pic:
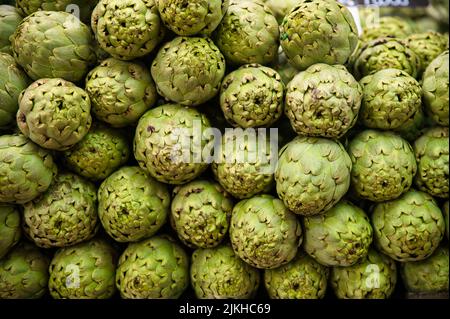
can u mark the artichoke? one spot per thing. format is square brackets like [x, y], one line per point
[51, 44]
[54, 113]
[302, 278]
[426, 24]
[264, 233]
[439, 10]
[26, 170]
[280, 8]
[387, 27]
[248, 33]
[339, 237]
[127, 29]
[201, 212]
[391, 99]
[318, 31]
[100, 153]
[323, 100]
[83, 271]
[374, 277]
[252, 96]
[217, 273]
[435, 89]
[9, 228]
[12, 81]
[427, 46]
[65, 215]
[188, 70]
[312, 174]
[153, 269]
[169, 143]
[409, 228]
[383, 165]
[432, 156]
[245, 163]
[10, 18]
[132, 205]
[120, 91]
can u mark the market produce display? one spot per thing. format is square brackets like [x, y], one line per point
[225, 149]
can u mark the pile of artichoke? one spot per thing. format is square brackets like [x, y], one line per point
[223, 149]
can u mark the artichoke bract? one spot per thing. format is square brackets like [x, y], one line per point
[201, 212]
[264, 233]
[120, 91]
[83, 271]
[374, 277]
[312, 174]
[156, 268]
[435, 88]
[99, 153]
[217, 273]
[383, 165]
[132, 205]
[51, 44]
[188, 70]
[54, 113]
[26, 170]
[23, 273]
[252, 96]
[64, 215]
[387, 27]
[245, 163]
[323, 100]
[248, 33]
[432, 156]
[409, 228]
[318, 31]
[302, 278]
[339, 237]
[10, 18]
[127, 29]
[391, 98]
[169, 142]
[12, 81]
[427, 46]
[9, 228]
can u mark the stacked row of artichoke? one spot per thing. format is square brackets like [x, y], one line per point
[95, 199]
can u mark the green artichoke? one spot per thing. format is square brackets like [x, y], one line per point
[51, 44]
[323, 100]
[187, 18]
[435, 86]
[201, 212]
[169, 143]
[312, 174]
[252, 96]
[414, 126]
[120, 91]
[339, 237]
[383, 165]
[432, 156]
[132, 205]
[12, 81]
[387, 27]
[127, 29]
[26, 170]
[10, 18]
[217, 273]
[408, 228]
[83, 271]
[439, 10]
[391, 99]
[374, 277]
[23, 273]
[188, 70]
[63, 216]
[245, 163]
[248, 33]
[445, 210]
[302, 278]
[427, 46]
[9, 228]
[280, 8]
[318, 31]
[264, 233]
[54, 113]
[156, 268]
[100, 153]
